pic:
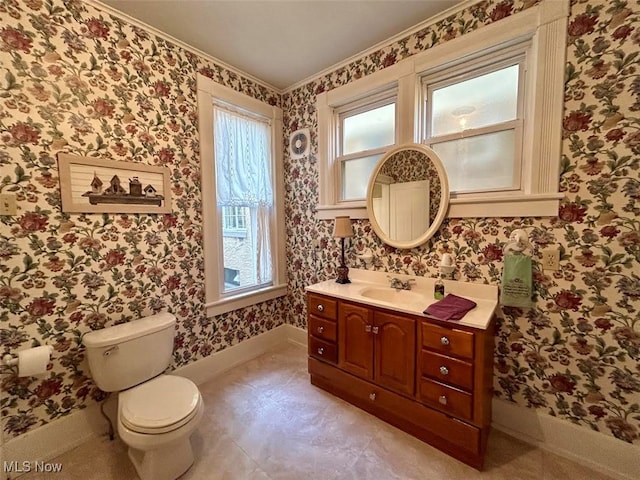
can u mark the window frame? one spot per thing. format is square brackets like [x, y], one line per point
[399, 78]
[459, 72]
[216, 300]
[384, 98]
[544, 27]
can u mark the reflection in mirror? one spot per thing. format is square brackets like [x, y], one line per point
[408, 196]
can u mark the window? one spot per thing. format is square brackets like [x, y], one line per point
[501, 147]
[473, 121]
[357, 124]
[366, 131]
[241, 151]
[231, 278]
[234, 221]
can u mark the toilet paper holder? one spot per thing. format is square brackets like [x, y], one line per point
[11, 360]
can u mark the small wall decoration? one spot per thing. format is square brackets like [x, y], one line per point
[96, 185]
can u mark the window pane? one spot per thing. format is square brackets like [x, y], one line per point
[484, 162]
[372, 129]
[355, 176]
[239, 261]
[234, 220]
[477, 102]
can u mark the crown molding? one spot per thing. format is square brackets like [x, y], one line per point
[384, 43]
[165, 36]
[389, 41]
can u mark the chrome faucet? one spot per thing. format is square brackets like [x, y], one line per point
[401, 284]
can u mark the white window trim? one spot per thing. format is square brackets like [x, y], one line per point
[464, 70]
[216, 302]
[396, 77]
[546, 26]
[386, 97]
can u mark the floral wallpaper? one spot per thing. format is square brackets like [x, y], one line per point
[76, 80]
[575, 354]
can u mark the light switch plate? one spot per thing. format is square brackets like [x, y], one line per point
[8, 204]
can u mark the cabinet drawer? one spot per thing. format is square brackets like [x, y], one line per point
[447, 369]
[321, 328]
[445, 398]
[323, 350]
[322, 306]
[447, 340]
[387, 405]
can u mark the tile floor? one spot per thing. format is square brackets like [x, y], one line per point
[264, 420]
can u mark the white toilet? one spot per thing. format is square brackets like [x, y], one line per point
[156, 413]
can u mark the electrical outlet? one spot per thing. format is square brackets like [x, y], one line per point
[8, 204]
[551, 259]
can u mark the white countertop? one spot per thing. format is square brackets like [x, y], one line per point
[417, 299]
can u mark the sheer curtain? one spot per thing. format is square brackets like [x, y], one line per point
[244, 179]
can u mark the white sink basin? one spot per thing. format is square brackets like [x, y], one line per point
[391, 295]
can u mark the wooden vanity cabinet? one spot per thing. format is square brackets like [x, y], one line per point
[431, 379]
[378, 346]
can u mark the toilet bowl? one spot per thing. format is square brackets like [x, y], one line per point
[156, 420]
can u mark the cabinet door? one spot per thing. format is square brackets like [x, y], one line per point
[395, 359]
[355, 342]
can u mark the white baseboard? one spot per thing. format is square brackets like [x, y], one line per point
[600, 452]
[209, 367]
[47, 442]
[595, 450]
[296, 335]
[53, 439]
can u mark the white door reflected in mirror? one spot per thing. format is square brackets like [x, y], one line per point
[408, 196]
[402, 209]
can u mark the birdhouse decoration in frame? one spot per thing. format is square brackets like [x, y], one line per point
[96, 185]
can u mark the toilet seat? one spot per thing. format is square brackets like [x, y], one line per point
[160, 405]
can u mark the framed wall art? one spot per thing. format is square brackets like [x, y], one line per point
[96, 185]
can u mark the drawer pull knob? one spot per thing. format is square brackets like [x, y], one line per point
[372, 397]
[320, 329]
[442, 400]
[320, 350]
[367, 328]
[444, 370]
[375, 330]
[444, 341]
[321, 308]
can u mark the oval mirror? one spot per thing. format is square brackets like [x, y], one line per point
[408, 196]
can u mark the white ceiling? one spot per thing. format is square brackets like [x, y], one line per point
[281, 42]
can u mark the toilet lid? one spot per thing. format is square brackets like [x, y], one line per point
[160, 403]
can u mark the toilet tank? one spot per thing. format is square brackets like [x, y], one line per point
[130, 353]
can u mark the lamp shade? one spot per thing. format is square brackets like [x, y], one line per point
[342, 228]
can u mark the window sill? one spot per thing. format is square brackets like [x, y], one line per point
[355, 210]
[234, 233]
[247, 299]
[531, 205]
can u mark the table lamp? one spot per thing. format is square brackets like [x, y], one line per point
[343, 229]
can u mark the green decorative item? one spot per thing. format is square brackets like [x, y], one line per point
[517, 282]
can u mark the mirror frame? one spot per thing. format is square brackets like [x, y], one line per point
[444, 196]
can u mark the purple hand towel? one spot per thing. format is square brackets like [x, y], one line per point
[451, 307]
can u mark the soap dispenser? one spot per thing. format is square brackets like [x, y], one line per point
[447, 265]
[446, 271]
[438, 289]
